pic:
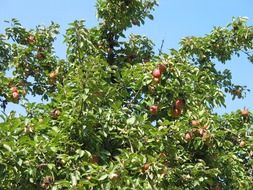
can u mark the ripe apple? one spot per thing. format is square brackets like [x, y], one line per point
[179, 103]
[153, 109]
[195, 123]
[188, 136]
[156, 73]
[162, 68]
[145, 167]
[201, 131]
[31, 39]
[40, 56]
[15, 95]
[245, 112]
[176, 112]
[242, 144]
[14, 89]
[55, 113]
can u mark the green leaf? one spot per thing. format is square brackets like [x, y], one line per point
[103, 177]
[131, 120]
[7, 147]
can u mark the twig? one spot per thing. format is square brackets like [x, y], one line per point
[161, 48]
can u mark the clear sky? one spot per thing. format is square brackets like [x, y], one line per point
[174, 19]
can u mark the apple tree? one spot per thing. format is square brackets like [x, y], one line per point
[119, 115]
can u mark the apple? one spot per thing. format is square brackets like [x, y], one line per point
[14, 89]
[156, 73]
[145, 167]
[162, 68]
[242, 144]
[188, 136]
[195, 123]
[201, 131]
[15, 95]
[40, 56]
[179, 103]
[55, 113]
[245, 112]
[31, 39]
[153, 109]
[176, 112]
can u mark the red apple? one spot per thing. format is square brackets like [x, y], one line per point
[153, 109]
[31, 39]
[195, 123]
[15, 95]
[179, 104]
[201, 131]
[40, 56]
[14, 89]
[55, 113]
[245, 112]
[156, 73]
[242, 144]
[162, 68]
[188, 136]
[145, 167]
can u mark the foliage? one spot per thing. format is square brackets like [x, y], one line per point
[119, 116]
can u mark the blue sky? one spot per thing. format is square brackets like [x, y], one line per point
[174, 19]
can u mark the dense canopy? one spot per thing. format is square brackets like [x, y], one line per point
[119, 115]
